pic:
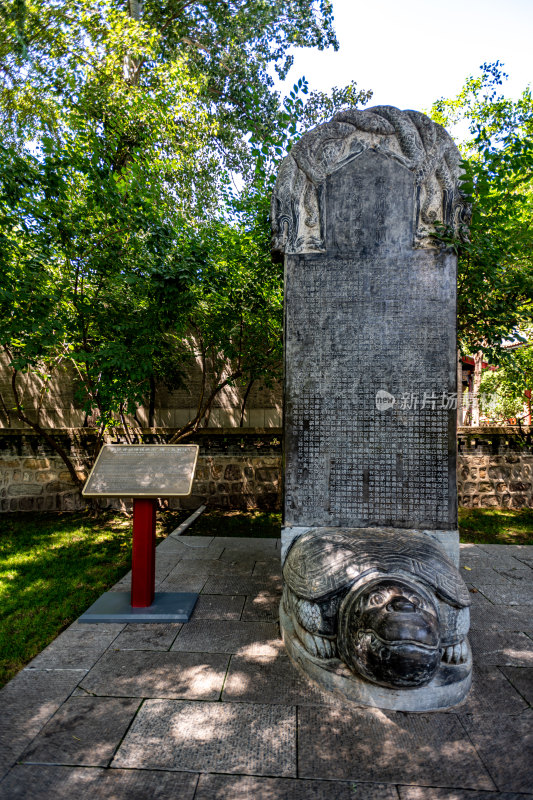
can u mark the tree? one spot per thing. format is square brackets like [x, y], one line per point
[122, 123]
[506, 393]
[495, 265]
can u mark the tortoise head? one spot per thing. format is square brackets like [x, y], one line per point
[389, 632]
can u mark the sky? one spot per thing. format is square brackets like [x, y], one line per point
[412, 52]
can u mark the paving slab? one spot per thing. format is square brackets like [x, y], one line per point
[504, 594]
[237, 584]
[30, 782]
[502, 551]
[229, 636]
[211, 737]
[489, 575]
[79, 647]
[85, 731]
[267, 679]
[164, 565]
[27, 703]
[487, 616]
[141, 673]
[208, 567]
[183, 583]
[147, 636]
[491, 692]
[505, 743]
[522, 680]
[216, 606]
[230, 787]
[263, 607]
[387, 746]
[266, 546]
[471, 555]
[269, 568]
[504, 648]
[191, 547]
[430, 793]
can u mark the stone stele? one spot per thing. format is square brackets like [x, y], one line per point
[373, 605]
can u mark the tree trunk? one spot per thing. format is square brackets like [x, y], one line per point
[478, 367]
[42, 432]
[459, 389]
[151, 403]
[245, 398]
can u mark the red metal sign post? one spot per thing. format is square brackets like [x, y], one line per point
[143, 472]
[143, 556]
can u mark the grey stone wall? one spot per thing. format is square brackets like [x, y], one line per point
[239, 470]
[236, 469]
[495, 468]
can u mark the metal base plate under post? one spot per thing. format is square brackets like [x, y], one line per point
[166, 607]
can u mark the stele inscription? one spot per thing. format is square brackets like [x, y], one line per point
[370, 328]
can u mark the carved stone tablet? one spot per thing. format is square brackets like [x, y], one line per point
[370, 343]
[370, 409]
[139, 470]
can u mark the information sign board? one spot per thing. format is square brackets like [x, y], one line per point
[142, 470]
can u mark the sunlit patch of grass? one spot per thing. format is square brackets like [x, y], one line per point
[52, 567]
[496, 526]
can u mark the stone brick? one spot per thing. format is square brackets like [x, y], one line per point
[26, 504]
[232, 472]
[518, 501]
[10, 463]
[237, 501]
[489, 501]
[512, 459]
[266, 475]
[57, 486]
[28, 489]
[519, 487]
[36, 463]
[72, 501]
[482, 472]
[65, 476]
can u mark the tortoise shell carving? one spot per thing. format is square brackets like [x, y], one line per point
[387, 604]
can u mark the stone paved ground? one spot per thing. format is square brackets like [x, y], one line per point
[213, 710]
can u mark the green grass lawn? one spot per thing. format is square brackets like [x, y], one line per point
[53, 566]
[496, 526]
